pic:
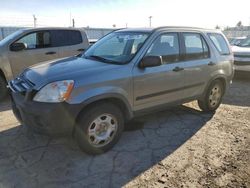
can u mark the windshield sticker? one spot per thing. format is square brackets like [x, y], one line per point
[130, 37]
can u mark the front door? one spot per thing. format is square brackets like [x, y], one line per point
[38, 49]
[162, 84]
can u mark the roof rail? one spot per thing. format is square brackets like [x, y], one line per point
[170, 27]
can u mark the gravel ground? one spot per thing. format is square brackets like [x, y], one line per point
[180, 147]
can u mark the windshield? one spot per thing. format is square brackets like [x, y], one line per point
[245, 42]
[10, 37]
[236, 42]
[117, 47]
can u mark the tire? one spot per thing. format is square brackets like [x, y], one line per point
[3, 88]
[99, 128]
[213, 97]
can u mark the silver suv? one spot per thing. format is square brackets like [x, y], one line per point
[127, 73]
[27, 47]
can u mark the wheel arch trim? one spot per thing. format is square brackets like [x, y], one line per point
[114, 98]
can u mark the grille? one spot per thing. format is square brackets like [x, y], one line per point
[242, 63]
[242, 55]
[21, 85]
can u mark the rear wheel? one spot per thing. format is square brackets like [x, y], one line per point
[213, 97]
[99, 128]
[3, 88]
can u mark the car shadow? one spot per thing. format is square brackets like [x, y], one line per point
[38, 161]
[5, 105]
[239, 92]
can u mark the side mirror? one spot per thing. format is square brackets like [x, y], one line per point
[18, 46]
[150, 61]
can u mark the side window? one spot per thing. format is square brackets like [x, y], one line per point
[65, 38]
[167, 46]
[220, 43]
[195, 46]
[35, 40]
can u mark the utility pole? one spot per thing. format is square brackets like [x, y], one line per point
[73, 22]
[70, 19]
[150, 21]
[34, 20]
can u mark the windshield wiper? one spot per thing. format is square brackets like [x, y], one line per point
[102, 59]
[98, 57]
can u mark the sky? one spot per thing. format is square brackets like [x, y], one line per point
[122, 13]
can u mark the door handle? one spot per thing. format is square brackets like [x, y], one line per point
[50, 53]
[80, 50]
[211, 63]
[177, 69]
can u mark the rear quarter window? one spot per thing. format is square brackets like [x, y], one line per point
[220, 43]
[65, 37]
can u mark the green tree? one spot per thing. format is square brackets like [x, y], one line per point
[217, 27]
[239, 24]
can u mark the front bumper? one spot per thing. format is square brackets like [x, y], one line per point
[47, 118]
[242, 67]
[242, 63]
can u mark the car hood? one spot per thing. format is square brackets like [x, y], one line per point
[240, 50]
[63, 69]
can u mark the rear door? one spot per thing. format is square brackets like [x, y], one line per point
[225, 56]
[69, 42]
[199, 63]
[38, 49]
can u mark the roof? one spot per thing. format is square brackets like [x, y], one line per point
[148, 30]
[51, 28]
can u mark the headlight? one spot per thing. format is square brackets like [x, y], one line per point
[55, 92]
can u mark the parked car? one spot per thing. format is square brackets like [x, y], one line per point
[127, 73]
[27, 47]
[242, 57]
[236, 40]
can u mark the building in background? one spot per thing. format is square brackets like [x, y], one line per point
[241, 31]
[5, 31]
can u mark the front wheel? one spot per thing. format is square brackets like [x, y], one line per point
[99, 128]
[213, 97]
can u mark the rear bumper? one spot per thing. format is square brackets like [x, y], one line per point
[242, 74]
[47, 118]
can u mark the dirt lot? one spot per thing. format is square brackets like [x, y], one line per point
[181, 147]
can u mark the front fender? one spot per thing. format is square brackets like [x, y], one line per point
[5, 68]
[101, 93]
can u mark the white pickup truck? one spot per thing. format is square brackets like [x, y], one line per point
[27, 47]
[242, 56]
